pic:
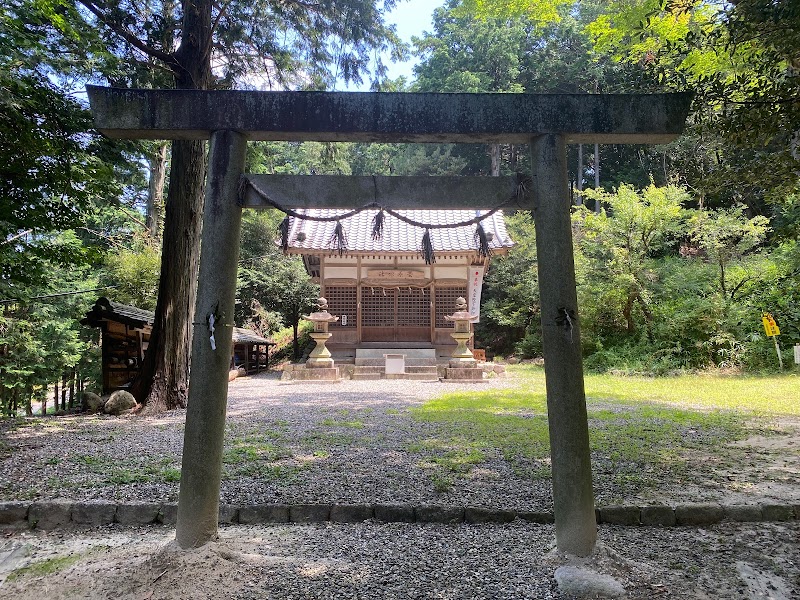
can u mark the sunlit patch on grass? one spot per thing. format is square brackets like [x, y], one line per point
[637, 440]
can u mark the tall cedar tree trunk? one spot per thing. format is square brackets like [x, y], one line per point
[163, 382]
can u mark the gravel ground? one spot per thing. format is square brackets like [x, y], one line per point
[293, 443]
[349, 443]
[397, 561]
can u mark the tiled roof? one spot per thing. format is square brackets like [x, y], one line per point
[245, 336]
[105, 309]
[398, 236]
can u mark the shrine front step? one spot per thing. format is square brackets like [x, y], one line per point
[316, 374]
[409, 362]
[374, 372]
[409, 353]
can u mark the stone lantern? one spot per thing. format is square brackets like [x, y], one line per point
[320, 357]
[462, 356]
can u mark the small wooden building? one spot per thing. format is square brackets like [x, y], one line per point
[382, 290]
[125, 333]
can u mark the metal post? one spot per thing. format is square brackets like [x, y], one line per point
[576, 528]
[198, 501]
[778, 352]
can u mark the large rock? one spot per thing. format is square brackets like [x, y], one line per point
[583, 583]
[119, 402]
[93, 402]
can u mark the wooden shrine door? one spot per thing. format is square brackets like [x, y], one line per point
[395, 315]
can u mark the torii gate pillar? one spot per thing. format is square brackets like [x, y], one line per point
[573, 498]
[201, 465]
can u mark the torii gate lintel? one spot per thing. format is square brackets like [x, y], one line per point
[547, 122]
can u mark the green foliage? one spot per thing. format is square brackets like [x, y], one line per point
[41, 339]
[510, 302]
[270, 284]
[47, 566]
[726, 235]
[650, 289]
[134, 273]
[617, 246]
[51, 172]
[470, 55]
[540, 11]
[284, 341]
[740, 59]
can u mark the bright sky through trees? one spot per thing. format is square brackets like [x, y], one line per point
[412, 17]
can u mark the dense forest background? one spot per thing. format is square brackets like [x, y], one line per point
[679, 248]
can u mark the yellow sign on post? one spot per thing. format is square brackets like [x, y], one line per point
[770, 326]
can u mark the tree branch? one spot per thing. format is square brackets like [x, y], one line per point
[15, 237]
[133, 218]
[127, 35]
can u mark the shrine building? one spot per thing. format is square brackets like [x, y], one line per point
[382, 290]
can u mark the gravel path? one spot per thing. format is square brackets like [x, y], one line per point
[397, 561]
[291, 442]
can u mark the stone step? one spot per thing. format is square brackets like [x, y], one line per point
[317, 374]
[369, 369]
[414, 376]
[409, 352]
[422, 369]
[372, 373]
[410, 362]
[367, 376]
[374, 345]
[360, 369]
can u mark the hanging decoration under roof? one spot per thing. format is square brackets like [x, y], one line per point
[338, 241]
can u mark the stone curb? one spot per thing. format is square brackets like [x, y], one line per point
[57, 514]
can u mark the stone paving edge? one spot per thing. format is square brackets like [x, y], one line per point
[56, 514]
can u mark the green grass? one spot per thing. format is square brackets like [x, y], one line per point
[111, 471]
[50, 565]
[641, 429]
[767, 394]
[258, 455]
[354, 424]
[317, 441]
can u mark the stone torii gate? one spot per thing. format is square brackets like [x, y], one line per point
[546, 122]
